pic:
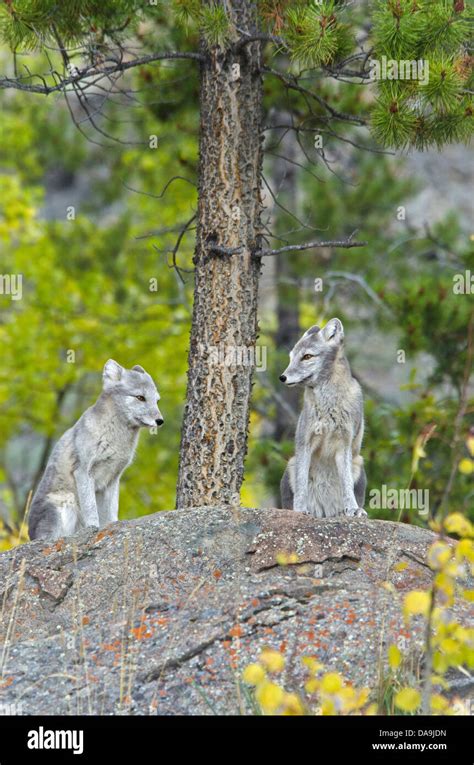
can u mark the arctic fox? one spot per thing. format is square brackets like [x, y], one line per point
[80, 486]
[326, 477]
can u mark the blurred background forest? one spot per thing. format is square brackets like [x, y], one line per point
[89, 217]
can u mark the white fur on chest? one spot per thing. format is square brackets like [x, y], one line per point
[112, 453]
[329, 426]
[329, 429]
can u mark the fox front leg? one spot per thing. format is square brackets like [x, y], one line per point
[302, 465]
[108, 503]
[344, 469]
[89, 515]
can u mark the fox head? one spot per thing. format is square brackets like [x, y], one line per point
[313, 357]
[134, 394]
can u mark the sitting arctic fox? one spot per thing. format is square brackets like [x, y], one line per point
[326, 477]
[80, 486]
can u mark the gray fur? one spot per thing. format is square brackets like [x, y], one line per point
[80, 486]
[326, 477]
[286, 491]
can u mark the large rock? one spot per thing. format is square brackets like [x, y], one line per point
[161, 614]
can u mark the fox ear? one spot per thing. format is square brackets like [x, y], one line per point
[138, 368]
[112, 372]
[333, 331]
[312, 330]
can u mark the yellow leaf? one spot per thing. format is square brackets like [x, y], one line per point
[462, 634]
[272, 660]
[465, 549]
[416, 602]
[312, 685]
[448, 645]
[284, 559]
[362, 696]
[328, 707]
[452, 570]
[440, 663]
[438, 680]
[469, 595]
[408, 699]
[470, 444]
[372, 710]
[400, 566]
[469, 658]
[394, 656]
[313, 664]
[438, 555]
[466, 466]
[445, 587]
[418, 454]
[438, 703]
[348, 697]
[331, 683]
[253, 674]
[292, 704]
[269, 696]
[457, 523]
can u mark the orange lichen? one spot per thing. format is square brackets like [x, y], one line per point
[142, 632]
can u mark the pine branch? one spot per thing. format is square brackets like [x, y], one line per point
[291, 82]
[258, 38]
[16, 83]
[345, 244]
[341, 243]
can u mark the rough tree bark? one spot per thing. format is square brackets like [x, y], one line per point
[214, 433]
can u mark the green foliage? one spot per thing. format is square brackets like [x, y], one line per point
[444, 84]
[187, 11]
[86, 288]
[315, 34]
[215, 25]
[211, 19]
[27, 25]
[430, 102]
[411, 275]
[86, 281]
[431, 319]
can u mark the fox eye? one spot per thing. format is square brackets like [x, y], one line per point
[308, 356]
[141, 398]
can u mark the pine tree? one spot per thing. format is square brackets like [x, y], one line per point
[90, 43]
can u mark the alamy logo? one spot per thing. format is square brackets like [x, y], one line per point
[56, 739]
[236, 355]
[400, 499]
[391, 69]
[11, 284]
[463, 284]
[463, 706]
[12, 708]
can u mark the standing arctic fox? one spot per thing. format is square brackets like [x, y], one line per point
[80, 486]
[326, 477]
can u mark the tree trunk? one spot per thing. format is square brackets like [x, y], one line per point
[214, 434]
